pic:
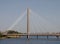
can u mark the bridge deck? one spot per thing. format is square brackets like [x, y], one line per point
[33, 34]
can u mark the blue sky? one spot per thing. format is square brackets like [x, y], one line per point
[10, 10]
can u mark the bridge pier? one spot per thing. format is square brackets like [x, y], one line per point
[37, 36]
[47, 37]
[28, 37]
[57, 37]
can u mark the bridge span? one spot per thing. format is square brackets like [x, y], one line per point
[32, 34]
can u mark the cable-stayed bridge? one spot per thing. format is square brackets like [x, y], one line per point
[33, 25]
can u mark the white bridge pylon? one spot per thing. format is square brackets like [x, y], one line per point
[38, 24]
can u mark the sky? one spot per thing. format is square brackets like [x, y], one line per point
[10, 10]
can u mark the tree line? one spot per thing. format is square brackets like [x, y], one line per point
[10, 32]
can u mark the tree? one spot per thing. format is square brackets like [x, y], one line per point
[1, 34]
[12, 32]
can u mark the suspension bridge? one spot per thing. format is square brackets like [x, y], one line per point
[29, 27]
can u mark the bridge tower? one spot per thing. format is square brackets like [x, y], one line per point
[28, 22]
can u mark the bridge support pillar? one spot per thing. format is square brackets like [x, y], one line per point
[47, 37]
[57, 37]
[37, 36]
[27, 36]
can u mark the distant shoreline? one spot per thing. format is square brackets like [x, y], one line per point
[7, 37]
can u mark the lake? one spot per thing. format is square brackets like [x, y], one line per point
[32, 40]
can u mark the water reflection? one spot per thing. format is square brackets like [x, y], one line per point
[30, 41]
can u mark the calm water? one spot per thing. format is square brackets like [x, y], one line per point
[32, 40]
